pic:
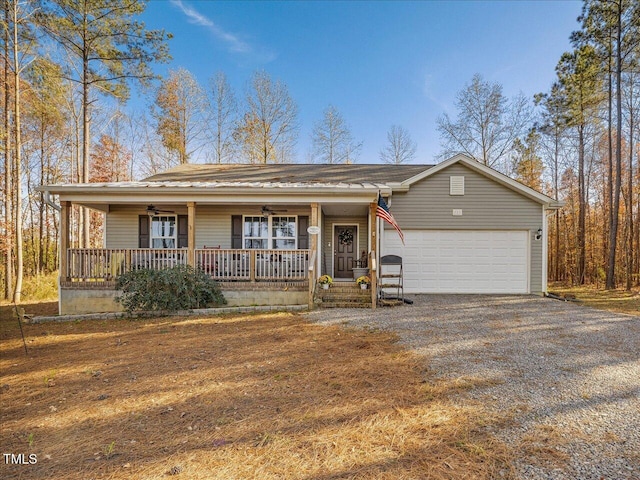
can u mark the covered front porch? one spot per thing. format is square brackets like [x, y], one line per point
[100, 267]
[223, 240]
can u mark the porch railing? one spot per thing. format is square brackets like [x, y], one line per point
[104, 265]
[101, 267]
[254, 264]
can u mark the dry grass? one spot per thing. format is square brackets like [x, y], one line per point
[620, 301]
[544, 445]
[238, 397]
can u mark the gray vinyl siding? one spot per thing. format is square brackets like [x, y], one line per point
[213, 223]
[485, 205]
[327, 237]
[122, 224]
[121, 229]
[213, 227]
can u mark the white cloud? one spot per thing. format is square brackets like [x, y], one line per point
[234, 43]
[429, 91]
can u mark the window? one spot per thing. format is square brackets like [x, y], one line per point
[283, 232]
[456, 185]
[270, 232]
[163, 231]
[256, 232]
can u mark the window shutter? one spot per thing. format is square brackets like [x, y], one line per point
[183, 231]
[303, 235]
[143, 231]
[236, 231]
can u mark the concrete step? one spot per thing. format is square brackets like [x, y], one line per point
[353, 289]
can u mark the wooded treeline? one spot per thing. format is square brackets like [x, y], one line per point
[68, 67]
[588, 127]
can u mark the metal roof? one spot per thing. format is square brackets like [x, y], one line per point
[290, 173]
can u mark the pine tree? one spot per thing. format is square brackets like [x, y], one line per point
[109, 47]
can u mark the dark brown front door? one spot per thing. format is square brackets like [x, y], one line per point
[344, 247]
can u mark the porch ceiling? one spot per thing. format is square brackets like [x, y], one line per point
[345, 210]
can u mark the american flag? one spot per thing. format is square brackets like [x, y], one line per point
[383, 212]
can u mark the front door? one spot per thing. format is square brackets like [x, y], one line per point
[345, 238]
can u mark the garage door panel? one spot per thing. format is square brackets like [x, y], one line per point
[449, 261]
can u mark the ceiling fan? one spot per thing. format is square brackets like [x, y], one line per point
[152, 210]
[266, 211]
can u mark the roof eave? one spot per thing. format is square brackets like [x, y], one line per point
[213, 190]
[502, 179]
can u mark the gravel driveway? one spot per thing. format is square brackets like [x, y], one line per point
[567, 377]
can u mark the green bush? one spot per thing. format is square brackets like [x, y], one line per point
[178, 288]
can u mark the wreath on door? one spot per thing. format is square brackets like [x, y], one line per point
[345, 237]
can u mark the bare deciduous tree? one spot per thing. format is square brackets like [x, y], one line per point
[224, 112]
[332, 139]
[19, 24]
[269, 129]
[400, 147]
[181, 111]
[8, 170]
[486, 125]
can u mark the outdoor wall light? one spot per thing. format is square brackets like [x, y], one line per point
[539, 234]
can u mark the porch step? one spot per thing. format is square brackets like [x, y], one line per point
[346, 295]
[345, 305]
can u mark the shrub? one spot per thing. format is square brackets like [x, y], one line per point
[179, 288]
[40, 287]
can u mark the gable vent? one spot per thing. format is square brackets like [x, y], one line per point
[456, 185]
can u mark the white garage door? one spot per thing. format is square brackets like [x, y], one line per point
[461, 261]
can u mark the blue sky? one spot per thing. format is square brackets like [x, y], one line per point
[378, 62]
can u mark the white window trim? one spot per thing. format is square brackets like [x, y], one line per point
[270, 238]
[245, 238]
[175, 230]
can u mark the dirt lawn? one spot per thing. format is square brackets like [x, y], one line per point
[236, 397]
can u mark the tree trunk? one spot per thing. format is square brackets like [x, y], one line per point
[18, 156]
[608, 204]
[613, 232]
[85, 149]
[629, 249]
[41, 205]
[8, 168]
[556, 189]
[582, 210]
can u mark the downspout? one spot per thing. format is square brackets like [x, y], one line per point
[47, 199]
